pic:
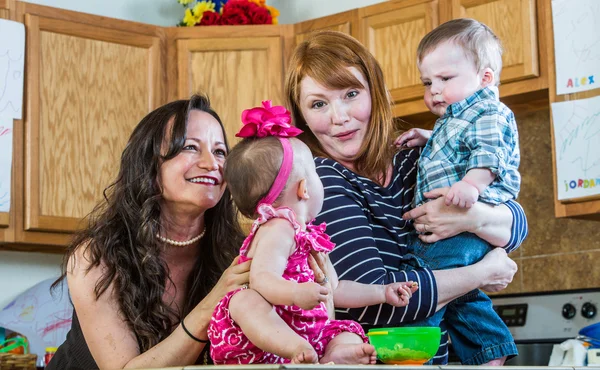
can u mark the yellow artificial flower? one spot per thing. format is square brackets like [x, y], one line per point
[274, 13]
[189, 19]
[202, 7]
[184, 2]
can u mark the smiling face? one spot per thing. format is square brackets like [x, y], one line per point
[450, 76]
[193, 179]
[338, 118]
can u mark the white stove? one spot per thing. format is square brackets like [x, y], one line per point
[550, 316]
[540, 320]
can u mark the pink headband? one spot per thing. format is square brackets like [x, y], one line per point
[271, 121]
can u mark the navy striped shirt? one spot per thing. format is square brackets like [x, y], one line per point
[365, 222]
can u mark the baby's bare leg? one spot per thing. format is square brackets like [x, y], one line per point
[266, 330]
[496, 362]
[349, 348]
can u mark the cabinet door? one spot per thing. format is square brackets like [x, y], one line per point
[87, 87]
[346, 22]
[514, 22]
[236, 73]
[392, 31]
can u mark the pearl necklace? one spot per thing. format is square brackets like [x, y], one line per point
[180, 244]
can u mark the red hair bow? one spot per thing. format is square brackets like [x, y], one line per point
[267, 120]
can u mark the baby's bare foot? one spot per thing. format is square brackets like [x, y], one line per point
[307, 356]
[344, 353]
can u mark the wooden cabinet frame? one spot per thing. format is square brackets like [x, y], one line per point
[346, 22]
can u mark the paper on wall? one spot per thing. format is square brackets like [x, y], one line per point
[42, 317]
[6, 146]
[576, 45]
[576, 126]
[12, 65]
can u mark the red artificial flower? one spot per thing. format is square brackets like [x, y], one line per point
[261, 15]
[209, 19]
[234, 16]
[244, 5]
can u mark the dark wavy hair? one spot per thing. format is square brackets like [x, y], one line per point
[121, 229]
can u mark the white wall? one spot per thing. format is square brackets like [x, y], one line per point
[169, 12]
[294, 11]
[20, 271]
[157, 12]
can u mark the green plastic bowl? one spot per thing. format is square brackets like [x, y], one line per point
[411, 345]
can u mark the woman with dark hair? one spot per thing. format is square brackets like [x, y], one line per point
[145, 275]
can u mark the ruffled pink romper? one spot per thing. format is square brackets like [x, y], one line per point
[229, 345]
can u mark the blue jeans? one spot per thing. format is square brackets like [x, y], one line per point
[477, 332]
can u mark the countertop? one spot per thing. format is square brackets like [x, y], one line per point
[373, 367]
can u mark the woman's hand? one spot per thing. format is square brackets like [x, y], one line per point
[497, 270]
[437, 221]
[318, 263]
[234, 277]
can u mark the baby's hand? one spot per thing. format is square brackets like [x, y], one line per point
[398, 294]
[308, 295]
[462, 194]
[413, 137]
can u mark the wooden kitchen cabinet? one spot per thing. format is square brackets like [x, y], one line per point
[524, 40]
[392, 31]
[4, 9]
[80, 108]
[514, 22]
[237, 71]
[237, 66]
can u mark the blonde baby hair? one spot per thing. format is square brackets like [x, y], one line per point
[477, 40]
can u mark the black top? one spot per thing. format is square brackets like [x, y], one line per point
[74, 353]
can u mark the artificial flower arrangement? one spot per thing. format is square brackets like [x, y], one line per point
[227, 12]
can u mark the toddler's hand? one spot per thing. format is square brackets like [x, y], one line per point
[398, 294]
[462, 194]
[413, 137]
[308, 295]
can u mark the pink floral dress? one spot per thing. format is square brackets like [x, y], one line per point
[229, 345]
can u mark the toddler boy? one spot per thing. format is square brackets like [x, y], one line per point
[474, 150]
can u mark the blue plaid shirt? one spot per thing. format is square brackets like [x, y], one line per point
[477, 132]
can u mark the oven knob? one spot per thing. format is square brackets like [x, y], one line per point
[588, 310]
[568, 311]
